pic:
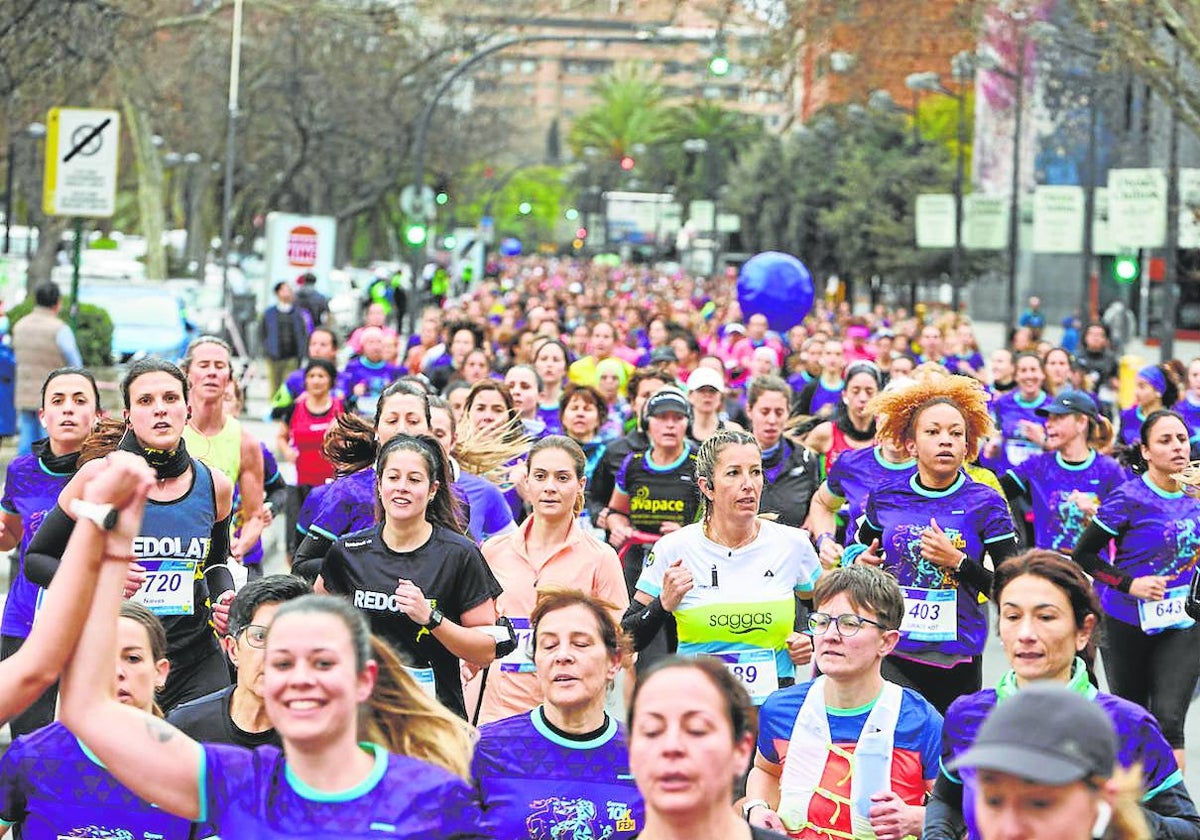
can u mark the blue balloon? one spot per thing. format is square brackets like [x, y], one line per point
[776, 285]
[510, 246]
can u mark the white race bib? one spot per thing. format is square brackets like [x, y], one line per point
[755, 670]
[424, 678]
[169, 588]
[1018, 452]
[930, 615]
[520, 661]
[1166, 614]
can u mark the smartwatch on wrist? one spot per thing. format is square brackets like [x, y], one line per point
[750, 804]
[435, 619]
[103, 516]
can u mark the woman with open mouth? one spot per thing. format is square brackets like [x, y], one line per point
[567, 749]
[932, 529]
[730, 583]
[70, 403]
[181, 572]
[1048, 621]
[1151, 646]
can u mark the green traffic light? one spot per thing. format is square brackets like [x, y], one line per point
[441, 198]
[718, 65]
[450, 242]
[524, 208]
[415, 235]
[1126, 269]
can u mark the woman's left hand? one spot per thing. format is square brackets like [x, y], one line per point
[800, 648]
[892, 818]
[412, 602]
[937, 548]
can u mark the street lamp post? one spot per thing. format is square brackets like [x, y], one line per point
[962, 67]
[34, 131]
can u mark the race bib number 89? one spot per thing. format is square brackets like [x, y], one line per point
[169, 588]
[755, 670]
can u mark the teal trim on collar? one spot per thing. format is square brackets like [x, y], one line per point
[49, 471]
[1083, 465]
[861, 710]
[1041, 398]
[92, 757]
[369, 365]
[888, 465]
[937, 494]
[1158, 491]
[202, 786]
[1169, 782]
[313, 795]
[674, 465]
[610, 731]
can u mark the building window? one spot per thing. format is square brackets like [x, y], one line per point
[529, 65]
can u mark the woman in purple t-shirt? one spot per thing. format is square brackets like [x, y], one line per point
[1150, 643]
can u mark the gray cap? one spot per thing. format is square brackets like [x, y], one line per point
[1045, 734]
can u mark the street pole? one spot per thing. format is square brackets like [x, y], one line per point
[235, 60]
[8, 194]
[956, 261]
[1171, 257]
[1014, 221]
[1089, 213]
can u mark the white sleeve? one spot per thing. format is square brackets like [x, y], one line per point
[808, 565]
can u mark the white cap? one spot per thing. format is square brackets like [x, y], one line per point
[705, 377]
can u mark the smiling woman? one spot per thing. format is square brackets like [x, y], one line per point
[421, 583]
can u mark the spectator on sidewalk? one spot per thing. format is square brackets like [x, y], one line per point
[42, 342]
[284, 333]
[312, 301]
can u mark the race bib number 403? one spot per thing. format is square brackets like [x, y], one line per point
[169, 587]
[930, 615]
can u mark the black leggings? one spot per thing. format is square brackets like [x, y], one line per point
[940, 686]
[1157, 672]
[202, 674]
[41, 712]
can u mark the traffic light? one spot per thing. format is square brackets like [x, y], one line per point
[627, 163]
[449, 241]
[441, 191]
[524, 208]
[581, 233]
[1126, 268]
[415, 234]
[718, 65]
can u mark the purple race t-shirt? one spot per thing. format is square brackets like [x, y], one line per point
[253, 793]
[857, 472]
[1056, 486]
[30, 491]
[973, 516]
[1131, 425]
[1157, 533]
[1009, 411]
[374, 376]
[1139, 740]
[347, 504]
[1190, 411]
[51, 787]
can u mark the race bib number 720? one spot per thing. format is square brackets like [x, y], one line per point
[169, 588]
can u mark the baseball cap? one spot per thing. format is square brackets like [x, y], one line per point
[668, 399]
[1070, 402]
[735, 328]
[1045, 734]
[705, 377]
[663, 354]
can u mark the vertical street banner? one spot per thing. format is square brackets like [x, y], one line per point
[1058, 220]
[1137, 207]
[935, 220]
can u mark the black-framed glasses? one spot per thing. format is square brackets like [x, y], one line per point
[256, 635]
[848, 624]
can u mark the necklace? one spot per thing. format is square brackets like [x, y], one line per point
[708, 532]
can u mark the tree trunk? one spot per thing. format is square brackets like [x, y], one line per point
[151, 212]
[49, 237]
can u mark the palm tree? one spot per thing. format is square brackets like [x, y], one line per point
[629, 113]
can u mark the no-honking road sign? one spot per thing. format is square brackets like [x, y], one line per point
[81, 162]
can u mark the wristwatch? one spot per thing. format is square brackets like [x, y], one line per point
[103, 516]
[435, 619]
[750, 804]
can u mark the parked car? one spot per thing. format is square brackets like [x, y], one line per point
[148, 319]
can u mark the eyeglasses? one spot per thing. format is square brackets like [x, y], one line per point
[848, 624]
[256, 635]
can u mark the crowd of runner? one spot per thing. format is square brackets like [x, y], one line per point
[595, 554]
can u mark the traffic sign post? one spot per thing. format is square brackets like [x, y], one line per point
[80, 178]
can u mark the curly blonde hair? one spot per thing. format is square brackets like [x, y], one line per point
[897, 410]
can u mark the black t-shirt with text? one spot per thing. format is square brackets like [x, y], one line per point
[448, 568]
[207, 719]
